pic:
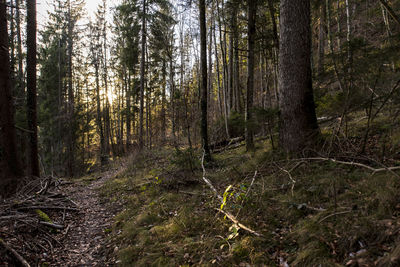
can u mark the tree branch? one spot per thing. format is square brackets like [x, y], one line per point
[227, 213]
[391, 11]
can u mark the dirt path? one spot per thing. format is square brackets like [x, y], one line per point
[86, 242]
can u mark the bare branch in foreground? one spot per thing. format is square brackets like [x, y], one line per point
[228, 214]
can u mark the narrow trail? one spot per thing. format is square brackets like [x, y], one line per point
[86, 242]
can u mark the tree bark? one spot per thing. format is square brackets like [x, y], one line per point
[142, 74]
[71, 100]
[321, 38]
[251, 31]
[203, 61]
[10, 165]
[31, 96]
[128, 110]
[163, 103]
[298, 127]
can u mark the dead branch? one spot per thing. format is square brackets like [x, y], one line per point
[15, 253]
[52, 225]
[334, 214]
[234, 220]
[47, 208]
[13, 217]
[228, 214]
[391, 11]
[251, 184]
[352, 163]
[292, 181]
[208, 181]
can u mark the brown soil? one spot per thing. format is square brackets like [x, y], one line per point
[86, 243]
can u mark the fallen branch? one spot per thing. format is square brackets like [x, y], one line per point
[292, 181]
[15, 253]
[52, 225]
[47, 208]
[251, 184]
[234, 220]
[208, 181]
[228, 214]
[13, 217]
[334, 214]
[352, 163]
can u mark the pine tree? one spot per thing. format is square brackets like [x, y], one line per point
[252, 12]
[9, 159]
[204, 95]
[31, 88]
[299, 126]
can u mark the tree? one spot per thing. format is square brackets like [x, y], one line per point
[142, 76]
[251, 30]
[59, 87]
[31, 88]
[203, 59]
[298, 127]
[10, 164]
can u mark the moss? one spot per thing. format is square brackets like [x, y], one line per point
[167, 231]
[166, 227]
[43, 216]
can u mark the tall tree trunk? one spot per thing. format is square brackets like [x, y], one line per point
[275, 50]
[203, 61]
[10, 164]
[251, 31]
[299, 126]
[128, 110]
[148, 105]
[220, 88]
[172, 85]
[19, 46]
[31, 88]
[222, 38]
[236, 63]
[103, 154]
[163, 103]
[271, 9]
[339, 26]
[71, 100]
[142, 75]
[210, 69]
[231, 63]
[321, 38]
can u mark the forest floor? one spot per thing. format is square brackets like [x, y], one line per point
[337, 207]
[82, 219]
[86, 243]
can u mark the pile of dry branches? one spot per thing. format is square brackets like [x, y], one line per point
[34, 222]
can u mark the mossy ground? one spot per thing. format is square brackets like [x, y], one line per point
[310, 213]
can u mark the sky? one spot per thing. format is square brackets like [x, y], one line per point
[43, 6]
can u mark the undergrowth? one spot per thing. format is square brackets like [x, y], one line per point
[310, 213]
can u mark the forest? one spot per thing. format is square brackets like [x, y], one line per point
[200, 133]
